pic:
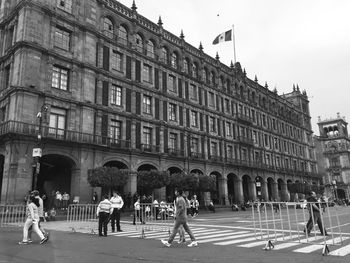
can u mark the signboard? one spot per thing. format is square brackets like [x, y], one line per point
[258, 184]
[37, 152]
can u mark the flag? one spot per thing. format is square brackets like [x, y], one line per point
[226, 36]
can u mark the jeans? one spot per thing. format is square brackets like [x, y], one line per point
[29, 222]
[102, 223]
[177, 225]
[115, 219]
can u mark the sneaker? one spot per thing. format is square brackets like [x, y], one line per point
[193, 244]
[165, 243]
[29, 241]
[43, 240]
[23, 243]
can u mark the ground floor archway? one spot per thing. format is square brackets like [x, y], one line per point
[55, 175]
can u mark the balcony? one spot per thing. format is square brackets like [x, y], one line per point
[197, 155]
[175, 152]
[150, 148]
[32, 130]
[243, 118]
[215, 158]
[245, 140]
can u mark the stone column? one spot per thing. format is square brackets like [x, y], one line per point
[223, 190]
[284, 193]
[238, 191]
[252, 190]
[264, 190]
[274, 192]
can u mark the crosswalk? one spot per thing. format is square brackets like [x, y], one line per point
[248, 239]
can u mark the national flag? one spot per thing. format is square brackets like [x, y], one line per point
[226, 36]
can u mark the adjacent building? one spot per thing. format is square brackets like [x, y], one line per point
[333, 160]
[94, 83]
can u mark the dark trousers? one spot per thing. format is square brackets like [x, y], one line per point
[137, 214]
[103, 222]
[316, 219]
[115, 219]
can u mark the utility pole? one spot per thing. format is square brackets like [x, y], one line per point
[37, 151]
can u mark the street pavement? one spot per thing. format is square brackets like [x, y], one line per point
[225, 236]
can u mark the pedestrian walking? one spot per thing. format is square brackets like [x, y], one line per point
[315, 214]
[180, 220]
[32, 220]
[42, 219]
[156, 208]
[104, 210]
[117, 204]
[94, 198]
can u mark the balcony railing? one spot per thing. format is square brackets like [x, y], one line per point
[175, 152]
[245, 140]
[197, 155]
[216, 158]
[150, 148]
[243, 118]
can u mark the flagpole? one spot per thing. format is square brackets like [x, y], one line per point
[234, 44]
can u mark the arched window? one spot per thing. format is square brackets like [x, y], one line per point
[122, 35]
[212, 78]
[221, 84]
[139, 43]
[186, 69]
[164, 55]
[228, 86]
[150, 49]
[174, 60]
[107, 27]
[194, 70]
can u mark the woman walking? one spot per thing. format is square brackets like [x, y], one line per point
[32, 220]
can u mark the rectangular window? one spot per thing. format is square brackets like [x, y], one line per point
[147, 104]
[214, 149]
[7, 76]
[229, 152]
[2, 114]
[172, 83]
[117, 61]
[228, 129]
[172, 112]
[115, 131]
[255, 138]
[194, 145]
[59, 78]
[57, 122]
[194, 119]
[193, 92]
[147, 73]
[62, 38]
[211, 99]
[173, 141]
[116, 95]
[212, 126]
[147, 137]
[65, 5]
[227, 105]
[244, 154]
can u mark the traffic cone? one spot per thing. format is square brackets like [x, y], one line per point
[73, 230]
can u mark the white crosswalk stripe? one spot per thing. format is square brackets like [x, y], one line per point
[244, 238]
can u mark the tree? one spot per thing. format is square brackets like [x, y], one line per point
[207, 183]
[108, 177]
[147, 181]
[187, 182]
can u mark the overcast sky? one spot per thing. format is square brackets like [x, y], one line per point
[304, 42]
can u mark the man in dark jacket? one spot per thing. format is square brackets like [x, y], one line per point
[315, 214]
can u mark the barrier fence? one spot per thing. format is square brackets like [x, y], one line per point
[150, 217]
[12, 214]
[296, 222]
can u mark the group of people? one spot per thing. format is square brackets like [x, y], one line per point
[109, 210]
[35, 216]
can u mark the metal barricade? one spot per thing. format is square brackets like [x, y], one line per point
[295, 222]
[82, 217]
[152, 217]
[12, 215]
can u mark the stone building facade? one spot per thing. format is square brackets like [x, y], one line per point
[333, 158]
[94, 83]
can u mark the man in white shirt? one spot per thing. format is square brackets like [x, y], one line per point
[117, 204]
